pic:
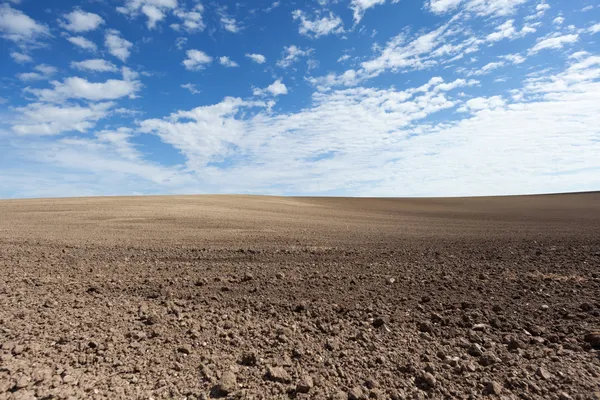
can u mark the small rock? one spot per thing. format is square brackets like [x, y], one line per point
[426, 380]
[227, 384]
[331, 344]
[425, 327]
[542, 373]
[564, 396]
[391, 281]
[378, 322]
[22, 382]
[545, 307]
[479, 327]
[185, 349]
[593, 338]
[475, 350]
[280, 275]
[278, 374]
[248, 359]
[356, 393]
[514, 344]
[305, 384]
[247, 277]
[492, 387]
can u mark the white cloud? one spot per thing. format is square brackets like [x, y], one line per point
[257, 58]
[228, 22]
[80, 88]
[478, 7]
[373, 142]
[514, 58]
[508, 31]
[558, 21]
[594, 28]
[154, 14]
[21, 58]
[3, 100]
[96, 65]
[191, 87]
[554, 42]
[116, 45]
[277, 88]
[343, 58]
[196, 60]
[191, 20]
[154, 10]
[43, 72]
[320, 26]
[360, 6]
[291, 54]
[81, 21]
[227, 62]
[48, 119]
[483, 103]
[486, 69]
[83, 43]
[19, 27]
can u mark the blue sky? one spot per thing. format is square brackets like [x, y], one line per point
[316, 97]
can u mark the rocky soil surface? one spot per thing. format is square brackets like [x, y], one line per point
[281, 298]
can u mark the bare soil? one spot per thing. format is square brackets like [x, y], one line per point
[246, 297]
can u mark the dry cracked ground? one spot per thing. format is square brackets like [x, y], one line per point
[242, 297]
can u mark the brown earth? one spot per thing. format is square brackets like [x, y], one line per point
[194, 297]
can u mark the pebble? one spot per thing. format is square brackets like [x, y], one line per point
[378, 322]
[248, 359]
[428, 379]
[356, 393]
[564, 396]
[227, 384]
[185, 349]
[475, 350]
[542, 373]
[305, 384]
[278, 374]
[493, 387]
[593, 338]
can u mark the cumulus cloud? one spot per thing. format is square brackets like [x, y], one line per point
[191, 87]
[508, 31]
[153, 10]
[196, 60]
[191, 21]
[83, 43]
[257, 58]
[229, 23]
[321, 26]
[277, 88]
[94, 65]
[21, 58]
[81, 21]
[478, 7]
[594, 28]
[43, 72]
[359, 7]
[80, 88]
[18, 27]
[291, 54]
[554, 42]
[227, 62]
[116, 45]
[50, 119]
